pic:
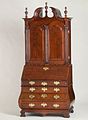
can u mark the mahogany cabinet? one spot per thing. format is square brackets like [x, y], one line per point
[46, 83]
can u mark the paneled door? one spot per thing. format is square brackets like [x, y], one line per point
[56, 43]
[36, 44]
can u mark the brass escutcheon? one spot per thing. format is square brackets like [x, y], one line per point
[45, 68]
[43, 104]
[32, 89]
[31, 96]
[56, 105]
[44, 89]
[56, 82]
[56, 96]
[44, 95]
[31, 82]
[31, 105]
[56, 89]
[44, 83]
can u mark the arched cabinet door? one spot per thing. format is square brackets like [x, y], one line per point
[56, 43]
[36, 44]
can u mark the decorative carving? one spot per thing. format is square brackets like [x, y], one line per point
[56, 12]
[46, 8]
[38, 12]
[26, 13]
[65, 12]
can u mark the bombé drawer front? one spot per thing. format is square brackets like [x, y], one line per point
[45, 105]
[45, 89]
[46, 82]
[26, 97]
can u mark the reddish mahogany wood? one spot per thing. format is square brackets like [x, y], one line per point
[47, 60]
[49, 89]
[62, 105]
[49, 82]
[50, 97]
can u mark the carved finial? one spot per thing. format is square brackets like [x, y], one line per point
[65, 12]
[26, 13]
[46, 8]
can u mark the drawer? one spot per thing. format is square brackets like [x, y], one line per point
[45, 105]
[45, 89]
[43, 97]
[44, 82]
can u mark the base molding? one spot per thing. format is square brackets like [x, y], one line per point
[64, 113]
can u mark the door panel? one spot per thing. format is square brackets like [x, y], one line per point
[56, 43]
[36, 44]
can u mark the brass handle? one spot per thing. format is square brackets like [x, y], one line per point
[44, 83]
[56, 96]
[44, 89]
[56, 82]
[44, 95]
[56, 105]
[31, 82]
[45, 68]
[31, 105]
[32, 89]
[56, 89]
[31, 96]
[43, 104]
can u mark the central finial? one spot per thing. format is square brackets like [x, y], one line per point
[46, 9]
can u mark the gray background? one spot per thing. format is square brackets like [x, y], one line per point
[12, 53]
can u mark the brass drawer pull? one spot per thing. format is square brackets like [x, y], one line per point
[44, 83]
[44, 89]
[56, 105]
[31, 105]
[45, 68]
[56, 82]
[56, 96]
[31, 96]
[32, 89]
[43, 104]
[56, 89]
[44, 95]
[31, 82]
